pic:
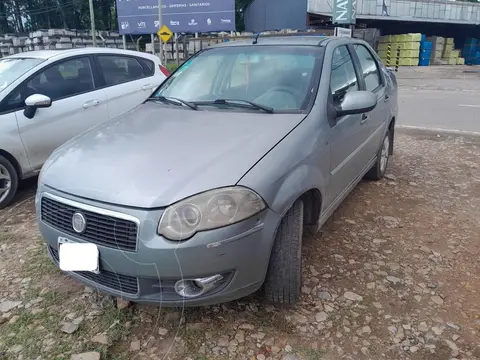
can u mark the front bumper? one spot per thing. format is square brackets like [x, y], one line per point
[239, 252]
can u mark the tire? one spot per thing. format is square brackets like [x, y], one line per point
[284, 276]
[8, 181]
[377, 172]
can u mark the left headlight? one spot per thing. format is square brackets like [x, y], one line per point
[209, 210]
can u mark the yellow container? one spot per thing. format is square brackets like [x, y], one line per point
[413, 37]
[412, 45]
[383, 46]
[452, 61]
[386, 38]
[449, 41]
[460, 61]
[455, 54]
[396, 38]
[448, 48]
[409, 53]
[436, 40]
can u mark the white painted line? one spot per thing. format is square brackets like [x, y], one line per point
[439, 130]
[474, 106]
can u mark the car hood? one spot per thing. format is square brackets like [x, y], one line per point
[156, 155]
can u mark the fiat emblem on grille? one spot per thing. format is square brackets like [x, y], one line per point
[79, 223]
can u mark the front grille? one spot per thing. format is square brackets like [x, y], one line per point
[101, 229]
[125, 284]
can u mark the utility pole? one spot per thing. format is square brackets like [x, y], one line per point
[160, 24]
[92, 23]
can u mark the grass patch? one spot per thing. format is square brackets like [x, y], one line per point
[39, 264]
[309, 354]
[171, 67]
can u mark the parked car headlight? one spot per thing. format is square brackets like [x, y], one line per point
[209, 210]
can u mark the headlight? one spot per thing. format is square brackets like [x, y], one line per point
[209, 210]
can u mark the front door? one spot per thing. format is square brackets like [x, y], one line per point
[347, 151]
[377, 119]
[76, 106]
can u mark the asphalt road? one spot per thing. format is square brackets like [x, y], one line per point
[449, 110]
[446, 98]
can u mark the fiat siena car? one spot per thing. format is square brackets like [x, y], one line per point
[201, 194]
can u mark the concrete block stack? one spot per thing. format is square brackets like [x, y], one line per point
[403, 49]
[438, 45]
[57, 39]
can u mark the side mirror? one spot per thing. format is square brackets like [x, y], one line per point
[34, 102]
[357, 102]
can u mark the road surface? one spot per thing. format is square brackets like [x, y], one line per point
[449, 101]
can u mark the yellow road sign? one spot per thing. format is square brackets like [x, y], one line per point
[165, 33]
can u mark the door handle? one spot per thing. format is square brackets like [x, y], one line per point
[91, 103]
[147, 87]
[386, 98]
[364, 119]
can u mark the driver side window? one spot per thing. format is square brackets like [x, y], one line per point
[343, 78]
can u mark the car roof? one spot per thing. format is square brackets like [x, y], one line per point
[49, 54]
[312, 40]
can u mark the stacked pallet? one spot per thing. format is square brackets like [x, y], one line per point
[471, 51]
[450, 55]
[438, 45]
[425, 52]
[402, 50]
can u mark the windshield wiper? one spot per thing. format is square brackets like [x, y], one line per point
[234, 102]
[174, 101]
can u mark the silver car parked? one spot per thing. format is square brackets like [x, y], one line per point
[201, 194]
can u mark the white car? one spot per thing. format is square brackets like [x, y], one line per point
[48, 97]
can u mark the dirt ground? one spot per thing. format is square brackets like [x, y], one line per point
[394, 274]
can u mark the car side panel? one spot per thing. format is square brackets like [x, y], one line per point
[11, 142]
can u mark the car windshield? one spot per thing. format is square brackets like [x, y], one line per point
[11, 69]
[277, 78]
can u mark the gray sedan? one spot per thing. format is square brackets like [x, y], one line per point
[202, 194]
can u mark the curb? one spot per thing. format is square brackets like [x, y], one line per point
[438, 130]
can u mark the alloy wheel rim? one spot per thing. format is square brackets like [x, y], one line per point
[5, 182]
[384, 154]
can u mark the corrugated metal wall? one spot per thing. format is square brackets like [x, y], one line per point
[264, 15]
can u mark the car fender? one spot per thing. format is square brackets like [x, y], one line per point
[298, 163]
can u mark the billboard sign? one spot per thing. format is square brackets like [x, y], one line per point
[344, 12]
[141, 16]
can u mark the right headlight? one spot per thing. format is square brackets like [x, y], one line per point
[209, 210]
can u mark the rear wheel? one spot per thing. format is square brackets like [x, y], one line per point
[284, 277]
[8, 182]
[377, 172]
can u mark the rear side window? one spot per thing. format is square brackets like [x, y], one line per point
[343, 77]
[148, 65]
[370, 70]
[120, 69]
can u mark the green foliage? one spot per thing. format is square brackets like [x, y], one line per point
[29, 15]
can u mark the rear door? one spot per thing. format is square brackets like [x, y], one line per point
[376, 120]
[127, 81]
[347, 157]
[77, 105]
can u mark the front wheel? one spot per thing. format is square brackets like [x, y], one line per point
[284, 277]
[377, 172]
[8, 182]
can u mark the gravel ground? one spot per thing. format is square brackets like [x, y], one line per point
[394, 274]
